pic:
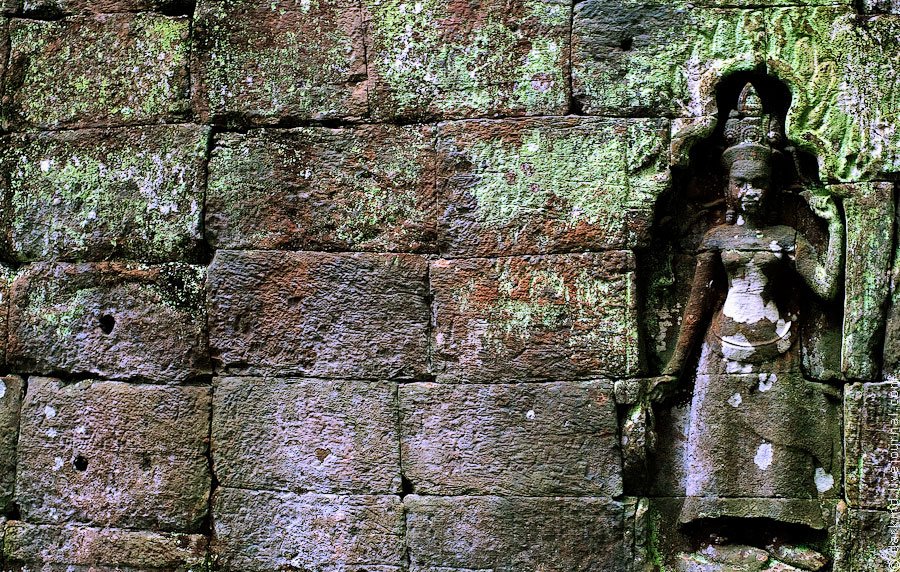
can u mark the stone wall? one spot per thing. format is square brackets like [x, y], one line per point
[353, 285]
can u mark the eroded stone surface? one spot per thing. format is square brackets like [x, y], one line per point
[514, 533]
[52, 8]
[108, 453]
[95, 71]
[106, 319]
[260, 531]
[521, 439]
[535, 317]
[97, 194]
[549, 185]
[869, 541]
[73, 548]
[305, 435]
[872, 465]
[451, 60]
[366, 188]
[272, 61]
[319, 314]
[11, 392]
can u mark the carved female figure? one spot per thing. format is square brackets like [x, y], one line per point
[762, 440]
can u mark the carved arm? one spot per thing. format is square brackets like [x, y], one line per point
[822, 273]
[696, 313]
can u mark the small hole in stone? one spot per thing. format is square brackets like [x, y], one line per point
[107, 323]
[80, 463]
[626, 44]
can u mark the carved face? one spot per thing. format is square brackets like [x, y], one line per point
[748, 183]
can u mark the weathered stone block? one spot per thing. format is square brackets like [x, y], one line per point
[11, 390]
[6, 277]
[522, 439]
[869, 542]
[305, 435]
[869, 209]
[659, 57]
[514, 533]
[110, 319]
[457, 60]
[96, 71]
[87, 549]
[108, 453]
[881, 6]
[549, 185]
[259, 531]
[844, 79]
[54, 8]
[283, 60]
[97, 194]
[317, 314]
[872, 450]
[557, 317]
[366, 188]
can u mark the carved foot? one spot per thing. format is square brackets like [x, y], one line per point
[738, 558]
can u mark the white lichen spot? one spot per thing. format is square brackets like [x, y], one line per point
[824, 481]
[735, 400]
[530, 414]
[51, 432]
[766, 381]
[2, 389]
[49, 412]
[740, 220]
[45, 165]
[763, 458]
[58, 463]
[774, 246]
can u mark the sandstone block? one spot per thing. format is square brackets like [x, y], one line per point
[106, 319]
[845, 85]
[276, 61]
[365, 188]
[458, 60]
[549, 185]
[114, 454]
[514, 533]
[318, 314]
[113, 193]
[521, 439]
[304, 435]
[869, 209]
[659, 58]
[881, 6]
[558, 317]
[869, 541]
[73, 548]
[100, 70]
[11, 389]
[872, 457]
[259, 531]
[53, 8]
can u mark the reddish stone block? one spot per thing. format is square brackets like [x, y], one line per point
[12, 388]
[109, 319]
[364, 188]
[108, 453]
[557, 317]
[52, 8]
[267, 62]
[112, 69]
[510, 534]
[258, 531]
[73, 548]
[521, 439]
[551, 185]
[319, 314]
[432, 58]
[305, 435]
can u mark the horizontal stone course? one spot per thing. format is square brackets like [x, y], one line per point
[306, 435]
[519, 439]
[368, 188]
[105, 319]
[514, 533]
[73, 548]
[104, 70]
[526, 318]
[549, 185]
[319, 314]
[259, 531]
[97, 194]
[115, 454]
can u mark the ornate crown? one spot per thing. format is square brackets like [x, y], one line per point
[750, 133]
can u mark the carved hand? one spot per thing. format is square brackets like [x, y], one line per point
[822, 205]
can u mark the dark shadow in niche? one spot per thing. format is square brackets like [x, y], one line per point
[695, 205]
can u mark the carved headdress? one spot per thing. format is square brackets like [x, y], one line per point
[751, 134]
